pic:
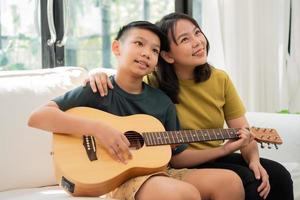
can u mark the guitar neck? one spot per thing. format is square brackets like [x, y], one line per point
[188, 136]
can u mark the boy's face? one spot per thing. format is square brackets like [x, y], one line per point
[137, 51]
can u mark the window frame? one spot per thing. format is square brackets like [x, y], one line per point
[53, 56]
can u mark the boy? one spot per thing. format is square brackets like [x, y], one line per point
[137, 48]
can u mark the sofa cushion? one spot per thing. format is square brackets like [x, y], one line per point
[25, 158]
[42, 193]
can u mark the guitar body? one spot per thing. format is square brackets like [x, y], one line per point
[84, 168]
[82, 177]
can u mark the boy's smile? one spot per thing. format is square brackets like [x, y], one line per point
[143, 64]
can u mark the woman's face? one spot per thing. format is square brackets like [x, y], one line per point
[190, 50]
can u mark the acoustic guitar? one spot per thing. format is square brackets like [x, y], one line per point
[84, 168]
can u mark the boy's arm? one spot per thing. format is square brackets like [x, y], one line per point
[50, 118]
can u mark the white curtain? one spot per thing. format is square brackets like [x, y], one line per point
[249, 39]
[292, 71]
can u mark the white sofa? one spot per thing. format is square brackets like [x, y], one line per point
[25, 160]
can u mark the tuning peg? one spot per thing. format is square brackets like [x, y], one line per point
[276, 146]
[261, 145]
[269, 146]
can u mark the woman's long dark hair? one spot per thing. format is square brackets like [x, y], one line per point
[165, 74]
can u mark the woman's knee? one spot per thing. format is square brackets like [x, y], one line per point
[280, 180]
[277, 172]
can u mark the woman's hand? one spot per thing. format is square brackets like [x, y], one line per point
[245, 138]
[99, 81]
[261, 174]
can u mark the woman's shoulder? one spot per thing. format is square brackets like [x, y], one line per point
[219, 73]
[151, 80]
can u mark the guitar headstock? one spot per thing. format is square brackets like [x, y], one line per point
[266, 135]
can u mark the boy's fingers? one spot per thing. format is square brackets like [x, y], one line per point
[125, 151]
[121, 149]
[127, 143]
[124, 138]
[113, 153]
[120, 154]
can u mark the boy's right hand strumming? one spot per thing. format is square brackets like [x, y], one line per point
[114, 142]
[50, 118]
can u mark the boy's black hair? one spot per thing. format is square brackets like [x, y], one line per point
[148, 26]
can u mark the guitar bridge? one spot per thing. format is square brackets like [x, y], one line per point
[89, 144]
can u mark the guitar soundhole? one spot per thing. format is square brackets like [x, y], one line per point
[135, 139]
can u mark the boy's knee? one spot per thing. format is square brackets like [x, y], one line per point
[183, 191]
[167, 188]
[233, 178]
[187, 192]
[236, 184]
[236, 180]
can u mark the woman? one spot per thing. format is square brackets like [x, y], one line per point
[205, 97]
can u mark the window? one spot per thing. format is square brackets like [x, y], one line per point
[90, 26]
[20, 45]
[94, 25]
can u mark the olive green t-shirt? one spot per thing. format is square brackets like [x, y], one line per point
[207, 104]
[151, 101]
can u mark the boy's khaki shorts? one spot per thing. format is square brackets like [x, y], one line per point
[128, 189]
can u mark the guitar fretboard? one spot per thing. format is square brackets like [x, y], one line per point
[188, 136]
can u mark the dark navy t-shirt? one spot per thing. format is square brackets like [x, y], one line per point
[151, 101]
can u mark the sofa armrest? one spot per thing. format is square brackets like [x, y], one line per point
[25, 157]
